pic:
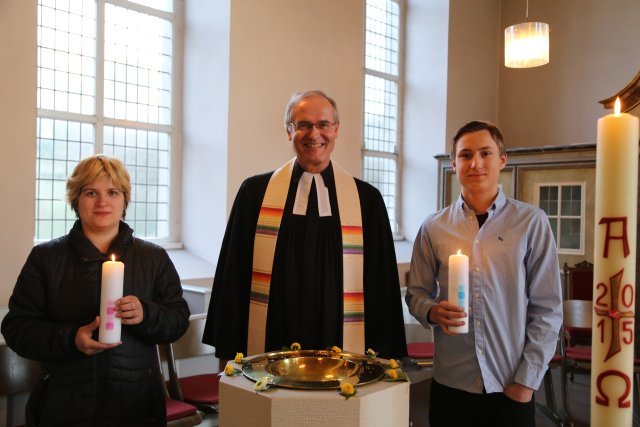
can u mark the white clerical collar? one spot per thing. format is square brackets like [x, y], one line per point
[302, 195]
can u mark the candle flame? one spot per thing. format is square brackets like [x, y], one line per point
[459, 250]
[113, 257]
[616, 107]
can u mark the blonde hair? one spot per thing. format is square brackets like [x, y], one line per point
[93, 168]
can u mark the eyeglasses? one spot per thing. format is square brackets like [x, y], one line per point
[322, 125]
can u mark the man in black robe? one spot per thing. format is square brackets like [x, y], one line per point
[305, 302]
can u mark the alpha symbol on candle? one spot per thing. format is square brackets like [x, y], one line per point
[614, 314]
[608, 236]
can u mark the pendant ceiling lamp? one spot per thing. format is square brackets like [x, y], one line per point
[526, 45]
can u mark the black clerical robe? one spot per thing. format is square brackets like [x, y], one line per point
[306, 295]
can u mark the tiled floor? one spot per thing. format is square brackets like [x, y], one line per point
[210, 420]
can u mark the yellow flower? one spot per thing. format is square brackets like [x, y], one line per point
[371, 353]
[229, 370]
[336, 349]
[347, 389]
[262, 384]
[295, 346]
[392, 373]
[239, 357]
[393, 364]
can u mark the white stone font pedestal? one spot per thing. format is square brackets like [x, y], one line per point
[379, 404]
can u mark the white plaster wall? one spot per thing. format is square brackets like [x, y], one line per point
[594, 53]
[279, 47]
[425, 111]
[451, 78]
[17, 174]
[473, 63]
[18, 140]
[252, 63]
[204, 168]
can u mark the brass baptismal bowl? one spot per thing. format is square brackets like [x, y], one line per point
[314, 368]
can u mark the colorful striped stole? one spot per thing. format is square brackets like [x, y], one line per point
[264, 249]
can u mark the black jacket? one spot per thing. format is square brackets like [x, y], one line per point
[58, 291]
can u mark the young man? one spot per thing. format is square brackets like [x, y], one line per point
[487, 376]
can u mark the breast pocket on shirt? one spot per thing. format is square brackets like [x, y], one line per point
[506, 253]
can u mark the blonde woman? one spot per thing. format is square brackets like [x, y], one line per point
[54, 311]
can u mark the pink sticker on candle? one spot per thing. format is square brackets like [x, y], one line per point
[111, 310]
[110, 326]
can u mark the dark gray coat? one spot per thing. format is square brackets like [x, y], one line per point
[58, 291]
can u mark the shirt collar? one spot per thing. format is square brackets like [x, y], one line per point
[303, 184]
[498, 203]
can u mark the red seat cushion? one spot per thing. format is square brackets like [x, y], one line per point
[201, 388]
[420, 350]
[581, 354]
[556, 359]
[177, 409]
[576, 332]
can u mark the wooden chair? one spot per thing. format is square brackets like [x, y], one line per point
[550, 408]
[420, 348]
[179, 414]
[576, 357]
[579, 281]
[199, 390]
[17, 375]
[421, 353]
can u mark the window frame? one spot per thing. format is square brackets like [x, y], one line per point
[174, 129]
[396, 224]
[583, 219]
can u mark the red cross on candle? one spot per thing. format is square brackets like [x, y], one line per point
[614, 314]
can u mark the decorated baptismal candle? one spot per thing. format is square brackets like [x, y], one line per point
[459, 287]
[614, 287]
[112, 283]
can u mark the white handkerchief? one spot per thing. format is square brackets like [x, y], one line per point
[302, 195]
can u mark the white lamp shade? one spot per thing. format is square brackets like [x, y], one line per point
[526, 45]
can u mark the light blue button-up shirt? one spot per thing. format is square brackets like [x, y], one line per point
[515, 302]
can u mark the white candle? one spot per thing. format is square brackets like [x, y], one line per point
[614, 270]
[112, 282]
[459, 288]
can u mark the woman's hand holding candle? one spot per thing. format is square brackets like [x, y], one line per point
[129, 310]
[86, 344]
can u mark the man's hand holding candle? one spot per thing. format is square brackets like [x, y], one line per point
[446, 314]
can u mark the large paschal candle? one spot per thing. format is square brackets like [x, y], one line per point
[614, 287]
[112, 284]
[459, 288]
